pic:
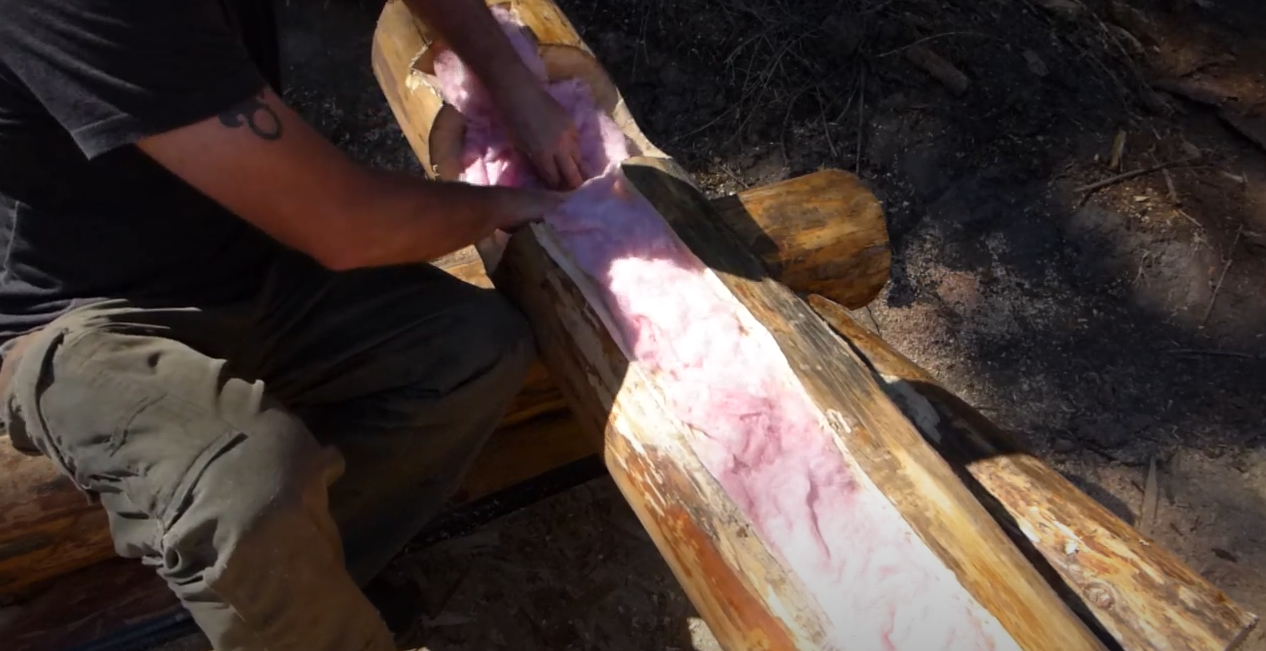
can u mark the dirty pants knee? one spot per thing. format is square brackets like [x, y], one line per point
[204, 478]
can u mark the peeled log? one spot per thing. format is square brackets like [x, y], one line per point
[1139, 593]
[749, 599]
[47, 527]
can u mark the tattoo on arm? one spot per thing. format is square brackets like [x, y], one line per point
[256, 115]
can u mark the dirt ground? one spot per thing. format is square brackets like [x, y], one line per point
[1105, 328]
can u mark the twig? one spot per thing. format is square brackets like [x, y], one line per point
[1230, 257]
[1189, 218]
[826, 128]
[861, 114]
[782, 133]
[1125, 176]
[1213, 353]
[1118, 151]
[851, 96]
[706, 125]
[1169, 185]
[734, 177]
[938, 68]
[941, 35]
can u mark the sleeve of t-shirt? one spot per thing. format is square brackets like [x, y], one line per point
[112, 72]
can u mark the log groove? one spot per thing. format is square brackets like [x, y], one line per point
[889, 451]
[748, 599]
[1141, 595]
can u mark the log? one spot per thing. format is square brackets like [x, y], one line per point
[47, 527]
[1138, 592]
[96, 602]
[749, 599]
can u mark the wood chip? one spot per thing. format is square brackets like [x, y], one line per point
[1225, 555]
[1036, 65]
[1118, 151]
[1151, 500]
[1169, 187]
[1193, 90]
[940, 69]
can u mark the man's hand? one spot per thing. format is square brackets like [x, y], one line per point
[543, 132]
[542, 129]
[524, 206]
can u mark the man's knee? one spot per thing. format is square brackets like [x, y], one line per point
[248, 495]
[255, 554]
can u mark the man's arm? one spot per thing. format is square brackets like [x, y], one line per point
[264, 163]
[159, 75]
[543, 130]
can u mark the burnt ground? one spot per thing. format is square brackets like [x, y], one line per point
[1105, 329]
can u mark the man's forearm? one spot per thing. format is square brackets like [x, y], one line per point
[397, 218]
[470, 30]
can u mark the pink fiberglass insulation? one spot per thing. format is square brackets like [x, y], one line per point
[757, 432]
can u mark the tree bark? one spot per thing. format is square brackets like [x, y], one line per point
[1139, 593]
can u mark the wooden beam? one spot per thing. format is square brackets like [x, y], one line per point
[749, 598]
[1141, 595]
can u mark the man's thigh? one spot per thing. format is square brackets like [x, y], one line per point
[413, 332]
[203, 475]
[90, 390]
[406, 370]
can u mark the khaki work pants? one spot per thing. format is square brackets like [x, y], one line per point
[267, 458]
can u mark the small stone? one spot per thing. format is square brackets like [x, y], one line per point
[1036, 65]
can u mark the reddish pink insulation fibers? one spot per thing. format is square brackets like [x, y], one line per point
[758, 434]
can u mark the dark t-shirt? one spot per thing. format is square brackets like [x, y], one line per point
[84, 215]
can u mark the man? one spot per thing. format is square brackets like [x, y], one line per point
[223, 329]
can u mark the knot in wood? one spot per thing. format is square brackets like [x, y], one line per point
[1100, 595]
